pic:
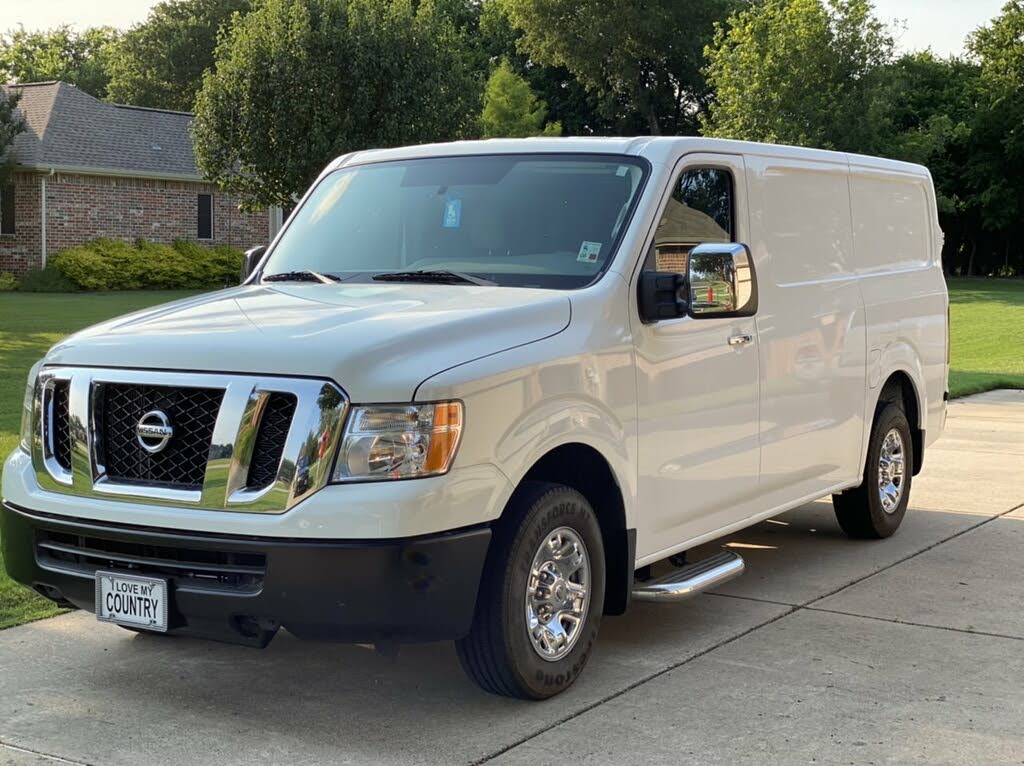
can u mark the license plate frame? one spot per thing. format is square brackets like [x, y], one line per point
[152, 616]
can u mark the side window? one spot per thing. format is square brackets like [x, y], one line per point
[205, 216]
[700, 210]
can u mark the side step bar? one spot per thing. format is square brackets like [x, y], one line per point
[688, 581]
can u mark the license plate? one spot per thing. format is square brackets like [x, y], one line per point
[139, 602]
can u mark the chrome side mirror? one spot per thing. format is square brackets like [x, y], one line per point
[250, 260]
[721, 281]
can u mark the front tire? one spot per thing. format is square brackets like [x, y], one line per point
[876, 508]
[541, 596]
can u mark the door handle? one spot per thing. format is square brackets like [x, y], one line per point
[740, 340]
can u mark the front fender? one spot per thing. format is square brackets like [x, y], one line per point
[526, 401]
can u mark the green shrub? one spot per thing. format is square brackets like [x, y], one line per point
[106, 264]
[86, 268]
[47, 280]
[8, 282]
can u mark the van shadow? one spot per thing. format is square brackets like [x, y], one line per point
[320, 702]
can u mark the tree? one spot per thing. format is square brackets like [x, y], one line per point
[79, 58]
[570, 103]
[298, 82]
[995, 168]
[999, 48]
[11, 125]
[512, 110]
[160, 62]
[801, 72]
[639, 58]
[926, 108]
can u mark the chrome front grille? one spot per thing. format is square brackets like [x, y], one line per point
[61, 432]
[270, 438]
[193, 411]
[230, 442]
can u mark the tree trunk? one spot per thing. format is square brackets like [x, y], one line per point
[652, 121]
[970, 261]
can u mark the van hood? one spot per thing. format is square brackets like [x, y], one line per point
[378, 342]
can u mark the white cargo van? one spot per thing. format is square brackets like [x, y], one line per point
[472, 390]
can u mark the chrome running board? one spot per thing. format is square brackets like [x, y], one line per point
[688, 581]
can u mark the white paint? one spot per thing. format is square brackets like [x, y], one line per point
[703, 437]
[42, 219]
[275, 220]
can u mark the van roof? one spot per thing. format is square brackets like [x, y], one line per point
[657, 149]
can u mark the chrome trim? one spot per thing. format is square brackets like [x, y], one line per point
[162, 431]
[44, 433]
[891, 471]
[305, 464]
[692, 579]
[558, 594]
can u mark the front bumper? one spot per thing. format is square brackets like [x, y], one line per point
[242, 589]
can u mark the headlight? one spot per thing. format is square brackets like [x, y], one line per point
[27, 405]
[399, 442]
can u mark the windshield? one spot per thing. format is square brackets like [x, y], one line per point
[545, 220]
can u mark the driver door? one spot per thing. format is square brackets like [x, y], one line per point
[697, 376]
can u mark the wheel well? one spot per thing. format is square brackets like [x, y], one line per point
[899, 389]
[585, 469]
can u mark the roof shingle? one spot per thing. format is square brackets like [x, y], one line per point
[68, 128]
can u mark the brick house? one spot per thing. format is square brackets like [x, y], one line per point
[84, 169]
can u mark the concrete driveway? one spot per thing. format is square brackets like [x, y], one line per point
[908, 650]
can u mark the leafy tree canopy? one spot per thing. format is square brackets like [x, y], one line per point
[10, 126]
[581, 112]
[78, 58]
[798, 72]
[298, 82]
[994, 165]
[644, 58]
[999, 48]
[160, 62]
[512, 110]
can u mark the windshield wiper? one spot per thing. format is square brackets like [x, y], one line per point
[442, 277]
[305, 275]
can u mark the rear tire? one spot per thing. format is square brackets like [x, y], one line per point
[876, 508]
[541, 596]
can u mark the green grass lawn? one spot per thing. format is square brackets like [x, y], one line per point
[29, 324]
[987, 335]
[987, 347]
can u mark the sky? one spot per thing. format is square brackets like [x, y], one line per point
[940, 24]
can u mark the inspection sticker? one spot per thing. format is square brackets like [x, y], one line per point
[589, 252]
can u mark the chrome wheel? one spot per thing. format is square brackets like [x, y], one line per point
[558, 594]
[890, 471]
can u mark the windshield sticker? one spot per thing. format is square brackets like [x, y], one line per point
[452, 214]
[589, 252]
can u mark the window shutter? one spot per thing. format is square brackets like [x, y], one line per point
[7, 209]
[205, 216]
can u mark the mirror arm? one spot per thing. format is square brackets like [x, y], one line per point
[250, 260]
[659, 296]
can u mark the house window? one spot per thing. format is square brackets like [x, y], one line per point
[700, 210]
[7, 209]
[205, 216]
